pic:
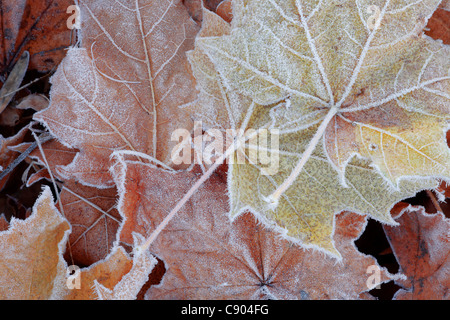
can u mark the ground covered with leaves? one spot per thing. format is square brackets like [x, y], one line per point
[348, 200]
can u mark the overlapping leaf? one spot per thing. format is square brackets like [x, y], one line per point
[32, 266]
[209, 257]
[37, 26]
[122, 88]
[7, 156]
[421, 246]
[116, 277]
[291, 63]
[90, 211]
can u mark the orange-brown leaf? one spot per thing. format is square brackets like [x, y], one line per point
[421, 244]
[7, 156]
[209, 257]
[36, 26]
[122, 88]
[94, 218]
[31, 263]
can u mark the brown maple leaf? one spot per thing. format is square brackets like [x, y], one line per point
[439, 24]
[421, 246]
[8, 155]
[36, 26]
[121, 90]
[90, 211]
[209, 257]
[94, 219]
[31, 263]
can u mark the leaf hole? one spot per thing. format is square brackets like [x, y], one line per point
[386, 291]
[373, 242]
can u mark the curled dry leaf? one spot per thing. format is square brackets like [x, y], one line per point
[363, 102]
[7, 153]
[421, 245]
[209, 257]
[121, 90]
[36, 102]
[15, 78]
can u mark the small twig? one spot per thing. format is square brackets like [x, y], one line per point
[42, 138]
[44, 158]
[434, 201]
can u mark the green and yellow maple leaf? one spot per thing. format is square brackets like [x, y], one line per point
[359, 96]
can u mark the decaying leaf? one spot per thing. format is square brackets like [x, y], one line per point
[438, 26]
[209, 257]
[421, 246]
[361, 97]
[14, 80]
[4, 224]
[36, 26]
[94, 219]
[31, 263]
[8, 155]
[131, 283]
[122, 88]
[56, 156]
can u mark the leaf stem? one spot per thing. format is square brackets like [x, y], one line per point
[275, 196]
[188, 195]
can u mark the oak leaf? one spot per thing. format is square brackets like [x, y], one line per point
[357, 92]
[121, 90]
[421, 246]
[209, 257]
